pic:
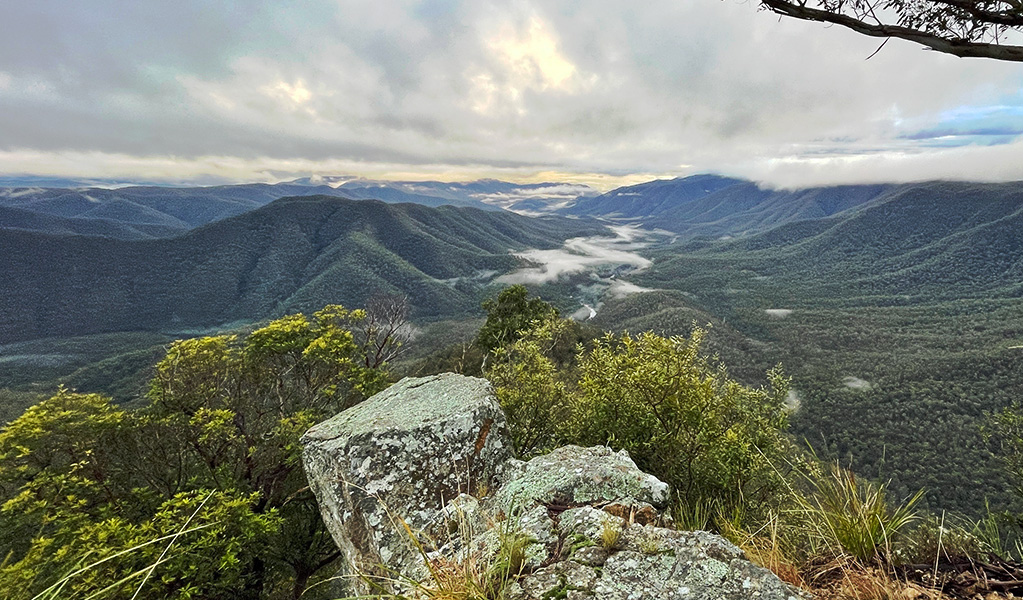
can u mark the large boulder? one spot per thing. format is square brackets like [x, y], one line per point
[573, 476]
[594, 526]
[421, 475]
[396, 459]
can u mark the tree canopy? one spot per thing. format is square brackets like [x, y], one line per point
[509, 315]
[200, 493]
[964, 28]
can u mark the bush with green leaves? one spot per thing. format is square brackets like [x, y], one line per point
[680, 417]
[83, 481]
[684, 419]
[531, 390]
[511, 314]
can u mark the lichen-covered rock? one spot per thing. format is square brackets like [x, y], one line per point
[573, 476]
[654, 563]
[574, 524]
[400, 456]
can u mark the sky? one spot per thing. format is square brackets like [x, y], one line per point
[601, 92]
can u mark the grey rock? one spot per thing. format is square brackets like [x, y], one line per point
[400, 456]
[594, 556]
[573, 475]
[582, 523]
[687, 574]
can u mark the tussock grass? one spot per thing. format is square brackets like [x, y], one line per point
[849, 515]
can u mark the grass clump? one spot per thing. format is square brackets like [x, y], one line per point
[853, 516]
[611, 532]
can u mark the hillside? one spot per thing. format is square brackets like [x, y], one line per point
[926, 241]
[293, 254]
[899, 320]
[651, 198]
[712, 206]
[176, 210]
[17, 218]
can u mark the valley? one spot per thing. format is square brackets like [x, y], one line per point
[895, 309]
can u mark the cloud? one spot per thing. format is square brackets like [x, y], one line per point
[461, 88]
[579, 255]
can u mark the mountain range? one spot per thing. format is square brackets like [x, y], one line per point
[147, 212]
[913, 242]
[296, 253]
[895, 308]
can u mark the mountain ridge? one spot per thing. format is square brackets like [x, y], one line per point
[293, 254]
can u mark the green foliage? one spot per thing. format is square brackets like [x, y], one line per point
[57, 464]
[85, 483]
[854, 516]
[684, 420]
[196, 545]
[509, 315]
[679, 416]
[1007, 428]
[530, 388]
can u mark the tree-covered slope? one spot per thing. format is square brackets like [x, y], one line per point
[900, 320]
[935, 240]
[293, 254]
[17, 218]
[711, 206]
[652, 197]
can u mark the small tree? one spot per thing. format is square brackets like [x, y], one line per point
[83, 480]
[509, 315]
[530, 389]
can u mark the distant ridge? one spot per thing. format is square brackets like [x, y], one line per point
[171, 211]
[936, 240]
[714, 206]
[296, 253]
[651, 198]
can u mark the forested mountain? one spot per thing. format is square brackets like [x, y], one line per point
[167, 211]
[930, 241]
[18, 218]
[899, 319]
[294, 254]
[712, 206]
[651, 198]
[145, 212]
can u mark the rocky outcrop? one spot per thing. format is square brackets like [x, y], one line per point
[576, 523]
[397, 459]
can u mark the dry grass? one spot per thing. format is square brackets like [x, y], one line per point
[847, 579]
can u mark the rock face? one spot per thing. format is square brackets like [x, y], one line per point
[401, 456]
[576, 523]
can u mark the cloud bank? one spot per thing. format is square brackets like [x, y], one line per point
[599, 93]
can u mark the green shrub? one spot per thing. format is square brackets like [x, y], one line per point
[683, 419]
[530, 389]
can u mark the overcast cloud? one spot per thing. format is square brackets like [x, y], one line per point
[601, 92]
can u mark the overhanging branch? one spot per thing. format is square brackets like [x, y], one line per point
[961, 48]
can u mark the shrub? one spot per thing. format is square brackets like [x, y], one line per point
[683, 419]
[530, 390]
